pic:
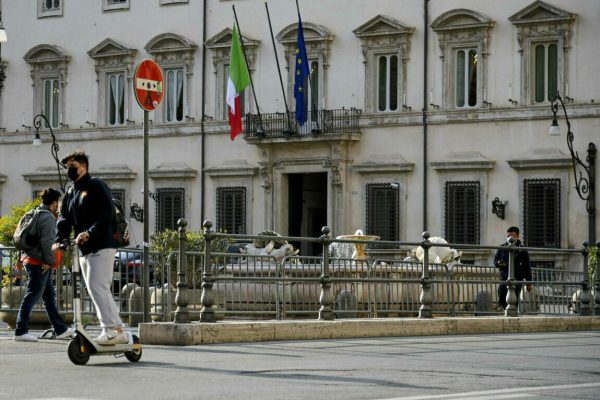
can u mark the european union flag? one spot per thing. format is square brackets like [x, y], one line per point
[301, 73]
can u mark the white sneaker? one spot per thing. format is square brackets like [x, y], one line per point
[66, 334]
[106, 339]
[27, 337]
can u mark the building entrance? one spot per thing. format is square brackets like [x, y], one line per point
[307, 212]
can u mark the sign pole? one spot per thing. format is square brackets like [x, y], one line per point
[146, 277]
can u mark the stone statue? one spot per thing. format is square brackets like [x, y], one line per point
[277, 248]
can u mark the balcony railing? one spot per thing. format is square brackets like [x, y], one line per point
[277, 125]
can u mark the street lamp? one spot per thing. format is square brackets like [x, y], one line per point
[37, 141]
[585, 183]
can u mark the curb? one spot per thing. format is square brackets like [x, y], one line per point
[195, 333]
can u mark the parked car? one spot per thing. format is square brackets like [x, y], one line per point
[128, 266]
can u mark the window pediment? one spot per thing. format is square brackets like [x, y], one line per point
[542, 158]
[111, 48]
[169, 42]
[382, 25]
[463, 160]
[312, 33]
[220, 45]
[45, 53]
[540, 12]
[173, 170]
[461, 19]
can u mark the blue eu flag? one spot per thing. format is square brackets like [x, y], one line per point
[301, 73]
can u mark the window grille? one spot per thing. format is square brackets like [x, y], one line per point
[462, 212]
[231, 209]
[383, 202]
[118, 194]
[170, 206]
[542, 212]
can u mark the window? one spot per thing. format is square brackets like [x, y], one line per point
[175, 55]
[114, 69]
[464, 38]
[462, 212]
[546, 72]
[51, 102]
[170, 207]
[544, 35]
[49, 71]
[231, 209]
[317, 40]
[387, 83]
[386, 44]
[466, 78]
[219, 46]
[116, 99]
[383, 201]
[109, 5]
[542, 212]
[49, 8]
[118, 194]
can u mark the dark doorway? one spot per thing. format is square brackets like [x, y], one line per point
[307, 212]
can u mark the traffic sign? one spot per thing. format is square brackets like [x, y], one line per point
[148, 85]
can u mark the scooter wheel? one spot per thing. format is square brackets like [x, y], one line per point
[78, 351]
[135, 354]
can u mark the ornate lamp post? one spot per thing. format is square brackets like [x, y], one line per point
[585, 182]
[37, 141]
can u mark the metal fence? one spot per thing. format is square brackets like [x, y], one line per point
[295, 286]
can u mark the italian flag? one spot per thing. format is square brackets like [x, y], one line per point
[237, 82]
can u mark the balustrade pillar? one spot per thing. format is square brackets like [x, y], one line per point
[182, 314]
[585, 296]
[326, 297]
[207, 314]
[426, 296]
[511, 295]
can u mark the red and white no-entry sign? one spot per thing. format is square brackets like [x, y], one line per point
[148, 85]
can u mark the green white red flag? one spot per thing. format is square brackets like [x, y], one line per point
[238, 80]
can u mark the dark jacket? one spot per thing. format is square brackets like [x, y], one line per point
[88, 206]
[522, 264]
[45, 231]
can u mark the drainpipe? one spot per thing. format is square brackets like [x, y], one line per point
[203, 113]
[424, 109]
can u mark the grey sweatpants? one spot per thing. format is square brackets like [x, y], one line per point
[97, 271]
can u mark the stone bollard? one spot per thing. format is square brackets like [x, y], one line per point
[182, 314]
[207, 314]
[326, 297]
[426, 297]
[136, 305]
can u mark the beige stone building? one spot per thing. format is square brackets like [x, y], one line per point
[420, 114]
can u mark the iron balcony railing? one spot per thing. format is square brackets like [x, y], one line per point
[282, 125]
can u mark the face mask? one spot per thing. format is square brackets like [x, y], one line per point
[72, 173]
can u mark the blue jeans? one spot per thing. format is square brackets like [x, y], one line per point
[39, 286]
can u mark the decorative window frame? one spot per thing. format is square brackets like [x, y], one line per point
[171, 51]
[42, 12]
[219, 46]
[383, 35]
[541, 23]
[107, 5]
[48, 62]
[112, 57]
[461, 29]
[317, 40]
[172, 2]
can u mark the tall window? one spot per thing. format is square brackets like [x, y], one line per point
[387, 83]
[311, 100]
[383, 201]
[116, 99]
[466, 78]
[51, 96]
[546, 72]
[51, 4]
[231, 209]
[224, 93]
[170, 206]
[542, 212]
[462, 212]
[174, 101]
[49, 8]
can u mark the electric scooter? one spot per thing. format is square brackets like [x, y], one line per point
[81, 347]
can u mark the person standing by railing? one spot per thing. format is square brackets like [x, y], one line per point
[522, 267]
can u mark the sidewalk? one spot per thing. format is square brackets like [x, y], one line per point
[168, 333]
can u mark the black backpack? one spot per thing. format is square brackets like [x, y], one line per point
[120, 225]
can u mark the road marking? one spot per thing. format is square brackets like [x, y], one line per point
[522, 392]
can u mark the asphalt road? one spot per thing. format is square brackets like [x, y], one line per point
[507, 366]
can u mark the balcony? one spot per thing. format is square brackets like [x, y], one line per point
[321, 122]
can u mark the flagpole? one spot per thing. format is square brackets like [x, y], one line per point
[312, 100]
[260, 131]
[287, 110]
